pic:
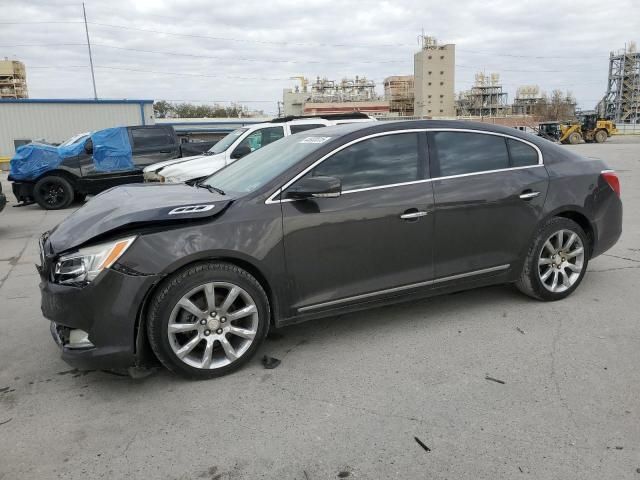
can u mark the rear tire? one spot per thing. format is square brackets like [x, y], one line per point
[556, 261]
[601, 136]
[208, 320]
[53, 192]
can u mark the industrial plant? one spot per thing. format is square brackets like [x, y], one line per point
[622, 100]
[430, 92]
[13, 79]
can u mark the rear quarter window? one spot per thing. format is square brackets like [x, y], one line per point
[522, 155]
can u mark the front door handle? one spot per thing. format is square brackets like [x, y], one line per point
[529, 195]
[412, 215]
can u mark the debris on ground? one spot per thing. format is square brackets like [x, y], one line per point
[343, 474]
[6, 421]
[419, 442]
[491, 379]
[270, 362]
[521, 330]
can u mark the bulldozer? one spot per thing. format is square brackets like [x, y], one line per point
[587, 127]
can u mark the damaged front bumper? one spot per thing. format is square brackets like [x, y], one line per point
[96, 326]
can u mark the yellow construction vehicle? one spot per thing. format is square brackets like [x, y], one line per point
[589, 128]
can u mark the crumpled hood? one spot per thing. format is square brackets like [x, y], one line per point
[154, 167]
[199, 167]
[135, 204]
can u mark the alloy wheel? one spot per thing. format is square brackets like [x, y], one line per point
[213, 325]
[561, 261]
[52, 193]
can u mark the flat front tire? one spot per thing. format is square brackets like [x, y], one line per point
[207, 320]
[556, 261]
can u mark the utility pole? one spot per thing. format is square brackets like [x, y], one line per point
[93, 75]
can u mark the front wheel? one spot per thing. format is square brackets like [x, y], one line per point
[208, 320]
[556, 261]
[53, 192]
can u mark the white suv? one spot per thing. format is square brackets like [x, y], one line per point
[236, 145]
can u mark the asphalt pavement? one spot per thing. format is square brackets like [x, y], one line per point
[494, 385]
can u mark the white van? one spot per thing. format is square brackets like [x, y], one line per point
[239, 143]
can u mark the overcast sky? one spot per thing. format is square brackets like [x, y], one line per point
[245, 51]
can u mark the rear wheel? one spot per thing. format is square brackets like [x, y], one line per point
[575, 138]
[53, 192]
[601, 136]
[556, 262]
[208, 320]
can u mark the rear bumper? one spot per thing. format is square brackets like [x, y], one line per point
[107, 310]
[608, 223]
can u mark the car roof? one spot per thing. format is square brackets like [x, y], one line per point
[367, 128]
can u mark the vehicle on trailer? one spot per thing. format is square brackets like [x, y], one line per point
[88, 163]
[319, 224]
[587, 127]
[241, 142]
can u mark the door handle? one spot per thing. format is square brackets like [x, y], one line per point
[412, 215]
[529, 195]
[165, 151]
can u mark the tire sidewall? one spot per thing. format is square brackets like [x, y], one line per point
[554, 225]
[63, 182]
[161, 308]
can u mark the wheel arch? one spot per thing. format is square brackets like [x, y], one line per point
[143, 349]
[581, 219]
[59, 173]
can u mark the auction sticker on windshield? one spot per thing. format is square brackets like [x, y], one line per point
[315, 140]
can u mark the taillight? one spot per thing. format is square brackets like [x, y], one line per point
[612, 179]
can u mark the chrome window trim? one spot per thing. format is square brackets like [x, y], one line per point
[272, 198]
[401, 288]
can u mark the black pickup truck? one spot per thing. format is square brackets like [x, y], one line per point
[87, 164]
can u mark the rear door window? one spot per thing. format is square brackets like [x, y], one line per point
[522, 155]
[458, 153]
[304, 127]
[146, 138]
[374, 162]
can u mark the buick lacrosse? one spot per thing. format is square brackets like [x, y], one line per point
[317, 224]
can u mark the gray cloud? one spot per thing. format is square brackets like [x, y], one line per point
[377, 38]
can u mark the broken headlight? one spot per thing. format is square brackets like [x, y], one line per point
[81, 267]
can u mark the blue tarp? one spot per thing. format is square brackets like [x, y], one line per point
[111, 152]
[34, 159]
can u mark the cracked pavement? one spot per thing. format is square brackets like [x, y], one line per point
[352, 391]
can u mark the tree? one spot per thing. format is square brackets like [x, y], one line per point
[556, 107]
[162, 109]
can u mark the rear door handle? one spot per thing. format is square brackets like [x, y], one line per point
[411, 215]
[529, 195]
[165, 151]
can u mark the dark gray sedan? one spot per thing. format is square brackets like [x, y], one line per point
[318, 224]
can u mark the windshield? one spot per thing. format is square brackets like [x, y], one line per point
[75, 139]
[260, 167]
[226, 142]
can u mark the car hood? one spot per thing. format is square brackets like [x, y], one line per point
[199, 167]
[154, 167]
[132, 206]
